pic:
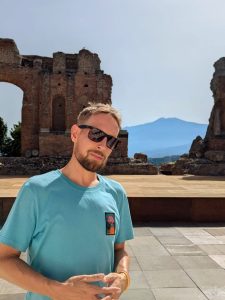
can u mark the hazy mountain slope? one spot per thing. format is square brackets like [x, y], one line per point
[165, 136]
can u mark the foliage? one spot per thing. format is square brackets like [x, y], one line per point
[11, 146]
[3, 133]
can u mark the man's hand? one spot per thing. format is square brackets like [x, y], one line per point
[79, 288]
[116, 280]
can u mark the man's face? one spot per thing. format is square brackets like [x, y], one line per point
[93, 156]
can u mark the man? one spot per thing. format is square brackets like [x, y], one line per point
[73, 222]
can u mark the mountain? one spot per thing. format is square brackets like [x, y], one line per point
[163, 137]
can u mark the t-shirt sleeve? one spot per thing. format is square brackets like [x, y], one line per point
[20, 224]
[126, 227]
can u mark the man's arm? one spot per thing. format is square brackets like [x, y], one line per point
[16, 271]
[122, 260]
[121, 264]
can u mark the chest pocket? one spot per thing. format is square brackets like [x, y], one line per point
[110, 223]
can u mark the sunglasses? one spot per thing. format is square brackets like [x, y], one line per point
[96, 135]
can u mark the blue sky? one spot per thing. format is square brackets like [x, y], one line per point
[159, 53]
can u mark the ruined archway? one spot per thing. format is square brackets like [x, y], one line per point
[58, 114]
[11, 101]
[52, 87]
[27, 124]
[14, 71]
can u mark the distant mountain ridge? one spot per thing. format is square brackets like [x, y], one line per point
[163, 137]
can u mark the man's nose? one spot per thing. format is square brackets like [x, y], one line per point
[103, 143]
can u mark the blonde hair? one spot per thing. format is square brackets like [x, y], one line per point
[99, 108]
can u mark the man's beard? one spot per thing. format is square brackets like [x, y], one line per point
[88, 164]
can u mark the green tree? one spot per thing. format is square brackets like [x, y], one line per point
[3, 134]
[12, 145]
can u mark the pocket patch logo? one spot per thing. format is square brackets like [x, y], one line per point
[110, 223]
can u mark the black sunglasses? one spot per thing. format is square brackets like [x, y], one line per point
[97, 135]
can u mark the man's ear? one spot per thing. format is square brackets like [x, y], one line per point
[74, 132]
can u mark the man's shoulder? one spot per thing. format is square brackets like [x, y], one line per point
[112, 184]
[42, 180]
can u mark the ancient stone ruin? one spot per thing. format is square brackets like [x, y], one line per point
[55, 91]
[207, 155]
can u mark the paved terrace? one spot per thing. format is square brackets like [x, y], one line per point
[169, 261]
[145, 186]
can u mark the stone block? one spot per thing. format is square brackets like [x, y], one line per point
[9, 53]
[217, 156]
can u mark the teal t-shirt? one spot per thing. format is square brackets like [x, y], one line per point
[68, 229]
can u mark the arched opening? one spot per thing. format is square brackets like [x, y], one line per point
[11, 102]
[58, 114]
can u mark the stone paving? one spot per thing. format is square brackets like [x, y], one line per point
[169, 262]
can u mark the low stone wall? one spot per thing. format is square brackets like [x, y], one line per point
[12, 166]
[160, 209]
[182, 209]
[30, 166]
[197, 166]
[5, 207]
[131, 169]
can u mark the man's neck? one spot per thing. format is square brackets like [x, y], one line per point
[76, 173]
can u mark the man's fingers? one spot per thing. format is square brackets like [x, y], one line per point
[93, 277]
[110, 277]
[111, 290]
[95, 289]
[88, 278]
[104, 290]
[107, 298]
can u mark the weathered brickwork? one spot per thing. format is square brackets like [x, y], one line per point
[215, 136]
[55, 91]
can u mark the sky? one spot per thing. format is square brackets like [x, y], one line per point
[160, 53]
